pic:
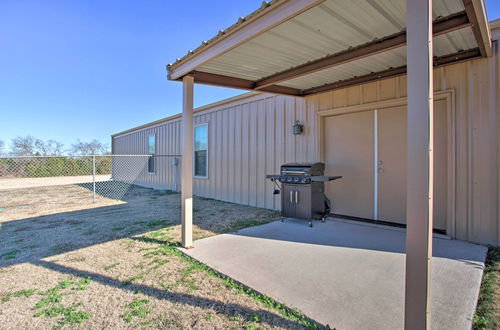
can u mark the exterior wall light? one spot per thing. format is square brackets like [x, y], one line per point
[298, 128]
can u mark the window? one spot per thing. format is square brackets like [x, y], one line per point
[151, 151]
[201, 151]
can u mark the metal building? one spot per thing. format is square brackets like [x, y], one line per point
[420, 149]
[251, 135]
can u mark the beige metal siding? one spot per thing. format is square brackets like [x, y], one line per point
[252, 136]
[475, 114]
[247, 140]
[167, 143]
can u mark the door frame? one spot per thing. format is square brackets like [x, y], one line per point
[446, 95]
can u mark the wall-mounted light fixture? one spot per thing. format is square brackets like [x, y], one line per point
[298, 128]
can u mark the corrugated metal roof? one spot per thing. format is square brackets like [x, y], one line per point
[329, 28]
[454, 41]
[443, 45]
[221, 33]
[323, 30]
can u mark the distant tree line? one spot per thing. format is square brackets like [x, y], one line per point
[72, 162]
[31, 146]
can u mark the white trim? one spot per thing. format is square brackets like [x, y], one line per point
[375, 164]
[194, 149]
[152, 154]
[396, 102]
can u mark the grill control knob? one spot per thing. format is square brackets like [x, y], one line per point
[296, 179]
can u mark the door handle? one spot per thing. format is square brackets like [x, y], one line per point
[291, 196]
[296, 197]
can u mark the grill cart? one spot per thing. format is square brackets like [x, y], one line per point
[303, 191]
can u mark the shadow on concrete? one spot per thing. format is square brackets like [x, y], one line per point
[358, 235]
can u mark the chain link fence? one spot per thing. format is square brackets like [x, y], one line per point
[108, 176]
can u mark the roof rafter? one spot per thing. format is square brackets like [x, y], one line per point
[207, 78]
[392, 72]
[440, 26]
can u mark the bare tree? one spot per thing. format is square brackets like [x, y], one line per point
[1, 147]
[24, 146]
[49, 148]
[31, 146]
[93, 147]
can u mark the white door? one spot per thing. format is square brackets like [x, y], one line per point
[391, 164]
[369, 150]
[391, 169]
[348, 145]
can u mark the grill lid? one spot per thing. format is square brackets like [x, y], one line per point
[303, 169]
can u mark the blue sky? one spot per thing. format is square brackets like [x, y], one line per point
[86, 69]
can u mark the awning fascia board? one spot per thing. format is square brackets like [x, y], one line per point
[476, 13]
[273, 16]
[441, 26]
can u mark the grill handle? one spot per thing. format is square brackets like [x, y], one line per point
[296, 197]
[291, 196]
[293, 172]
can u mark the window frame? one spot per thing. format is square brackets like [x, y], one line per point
[152, 158]
[194, 150]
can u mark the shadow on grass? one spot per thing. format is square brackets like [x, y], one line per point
[229, 309]
[38, 237]
[143, 210]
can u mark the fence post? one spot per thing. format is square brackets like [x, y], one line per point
[93, 178]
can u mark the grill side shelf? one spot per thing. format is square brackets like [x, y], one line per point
[324, 178]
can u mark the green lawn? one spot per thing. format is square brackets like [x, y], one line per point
[488, 306]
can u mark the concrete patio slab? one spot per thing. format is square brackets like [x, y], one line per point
[346, 274]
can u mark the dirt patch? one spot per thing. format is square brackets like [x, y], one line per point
[117, 266]
[36, 201]
[21, 183]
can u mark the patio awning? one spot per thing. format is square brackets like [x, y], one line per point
[306, 47]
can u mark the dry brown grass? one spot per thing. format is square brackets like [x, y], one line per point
[124, 255]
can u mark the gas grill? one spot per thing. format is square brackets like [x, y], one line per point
[303, 191]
